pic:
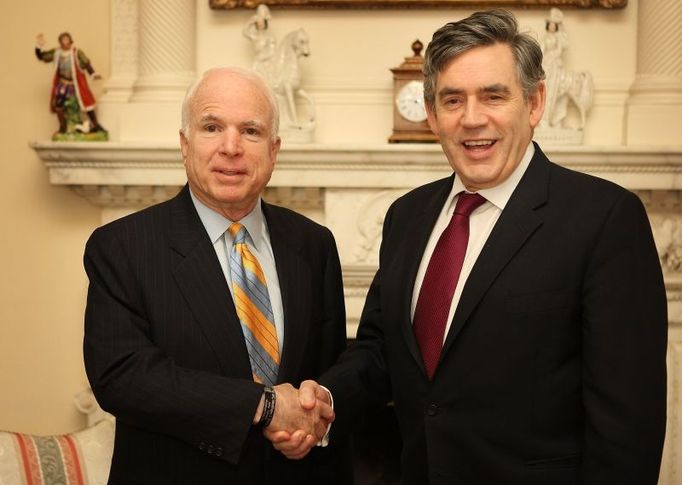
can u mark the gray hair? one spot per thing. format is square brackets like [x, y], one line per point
[478, 30]
[246, 74]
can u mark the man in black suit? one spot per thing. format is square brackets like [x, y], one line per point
[539, 358]
[174, 334]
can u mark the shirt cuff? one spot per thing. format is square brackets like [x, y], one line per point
[325, 439]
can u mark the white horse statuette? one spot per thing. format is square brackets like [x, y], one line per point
[562, 86]
[279, 64]
[285, 78]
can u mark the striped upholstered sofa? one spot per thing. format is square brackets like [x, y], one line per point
[80, 458]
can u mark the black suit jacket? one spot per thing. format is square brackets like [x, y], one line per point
[165, 353]
[553, 370]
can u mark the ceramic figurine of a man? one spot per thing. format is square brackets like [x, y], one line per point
[71, 93]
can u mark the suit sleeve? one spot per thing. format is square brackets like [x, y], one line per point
[331, 464]
[334, 332]
[134, 380]
[624, 351]
[360, 376]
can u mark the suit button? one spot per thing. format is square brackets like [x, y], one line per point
[431, 410]
[202, 446]
[219, 451]
[210, 449]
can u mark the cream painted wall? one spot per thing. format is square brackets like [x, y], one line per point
[44, 228]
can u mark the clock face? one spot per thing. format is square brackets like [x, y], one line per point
[410, 102]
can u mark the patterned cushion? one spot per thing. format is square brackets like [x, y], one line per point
[81, 458]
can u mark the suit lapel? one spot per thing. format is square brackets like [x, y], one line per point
[516, 224]
[418, 238]
[294, 278]
[201, 280]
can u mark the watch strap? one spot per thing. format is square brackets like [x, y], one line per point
[269, 401]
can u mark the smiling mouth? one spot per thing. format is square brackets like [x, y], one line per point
[478, 144]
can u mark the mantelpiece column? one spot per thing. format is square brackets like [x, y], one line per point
[655, 103]
[124, 49]
[118, 88]
[166, 66]
[167, 50]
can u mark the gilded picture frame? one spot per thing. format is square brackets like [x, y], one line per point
[607, 4]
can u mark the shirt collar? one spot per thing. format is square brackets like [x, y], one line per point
[216, 224]
[500, 194]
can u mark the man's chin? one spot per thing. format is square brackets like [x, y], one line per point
[479, 179]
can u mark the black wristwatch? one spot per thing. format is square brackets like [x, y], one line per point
[269, 401]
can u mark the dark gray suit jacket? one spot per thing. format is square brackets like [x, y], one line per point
[553, 370]
[165, 354]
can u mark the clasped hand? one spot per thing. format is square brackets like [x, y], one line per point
[301, 418]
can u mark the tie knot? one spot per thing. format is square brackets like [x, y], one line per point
[238, 232]
[467, 203]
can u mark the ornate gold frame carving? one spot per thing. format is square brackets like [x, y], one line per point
[228, 4]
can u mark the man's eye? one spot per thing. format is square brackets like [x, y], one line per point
[211, 128]
[251, 131]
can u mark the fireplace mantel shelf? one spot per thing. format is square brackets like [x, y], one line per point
[364, 166]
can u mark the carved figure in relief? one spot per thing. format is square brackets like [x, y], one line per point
[279, 64]
[668, 236]
[369, 224]
[71, 94]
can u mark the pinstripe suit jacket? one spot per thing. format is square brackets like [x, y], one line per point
[164, 350]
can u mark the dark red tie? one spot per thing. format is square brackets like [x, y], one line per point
[440, 280]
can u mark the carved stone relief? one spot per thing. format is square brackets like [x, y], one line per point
[369, 224]
[356, 217]
[663, 207]
[668, 235]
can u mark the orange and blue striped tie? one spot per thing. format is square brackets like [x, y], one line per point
[252, 302]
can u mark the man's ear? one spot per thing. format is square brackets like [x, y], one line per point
[274, 149]
[183, 144]
[536, 102]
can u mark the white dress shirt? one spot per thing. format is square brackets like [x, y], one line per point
[216, 226]
[481, 223]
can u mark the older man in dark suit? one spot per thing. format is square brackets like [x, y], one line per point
[200, 308]
[518, 316]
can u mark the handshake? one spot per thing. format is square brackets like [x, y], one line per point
[301, 418]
